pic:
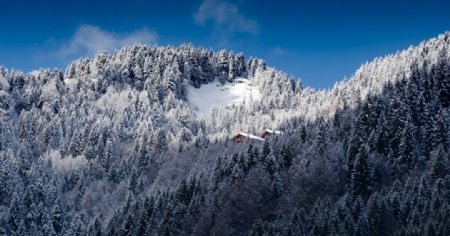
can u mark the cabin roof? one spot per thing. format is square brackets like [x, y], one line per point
[273, 131]
[250, 136]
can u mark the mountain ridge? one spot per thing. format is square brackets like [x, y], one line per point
[190, 67]
[112, 147]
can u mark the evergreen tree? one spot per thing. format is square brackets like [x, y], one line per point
[354, 145]
[374, 215]
[321, 140]
[265, 151]
[95, 228]
[407, 153]
[15, 214]
[439, 131]
[438, 168]
[303, 133]
[108, 156]
[133, 182]
[57, 220]
[76, 226]
[145, 219]
[361, 177]
[286, 157]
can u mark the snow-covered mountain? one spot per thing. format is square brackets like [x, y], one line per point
[231, 94]
[138, 142]
[180, 83]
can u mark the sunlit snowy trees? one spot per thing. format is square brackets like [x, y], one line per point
[112, 146]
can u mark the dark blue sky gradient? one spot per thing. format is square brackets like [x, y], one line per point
[320, 42]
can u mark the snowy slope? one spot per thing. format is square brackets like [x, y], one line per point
[215, 94]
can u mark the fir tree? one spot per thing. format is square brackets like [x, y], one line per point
[407, 153]
[361, 177]
[438, 168]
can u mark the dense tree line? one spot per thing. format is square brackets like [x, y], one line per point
[112, 147]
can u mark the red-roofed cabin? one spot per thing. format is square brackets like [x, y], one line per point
[239, 138]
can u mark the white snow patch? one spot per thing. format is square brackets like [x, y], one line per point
[216, 95]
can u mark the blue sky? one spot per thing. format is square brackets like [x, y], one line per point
[318, 41]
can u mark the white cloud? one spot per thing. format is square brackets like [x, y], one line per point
[88, 40]
[278, 51]
[225, 17]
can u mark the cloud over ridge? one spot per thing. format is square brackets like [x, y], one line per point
[224, 16]
[89, 39]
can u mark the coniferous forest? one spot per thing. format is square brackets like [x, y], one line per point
[113, 146]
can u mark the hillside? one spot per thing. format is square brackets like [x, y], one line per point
[138, 142]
